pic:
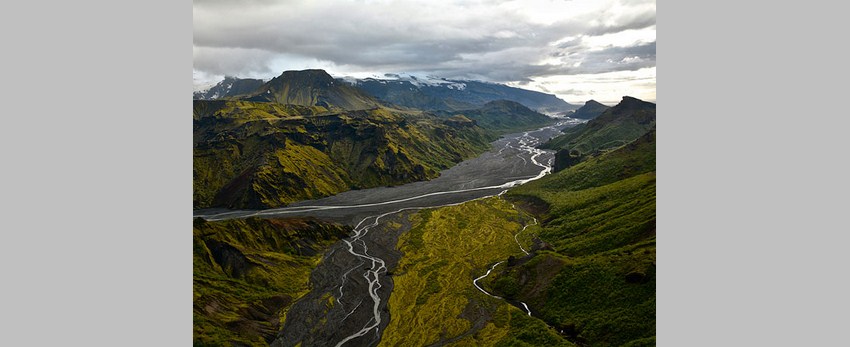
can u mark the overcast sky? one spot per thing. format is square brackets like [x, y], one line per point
[575, 49]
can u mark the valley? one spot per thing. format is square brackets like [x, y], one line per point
[512, 161]
[372, 224]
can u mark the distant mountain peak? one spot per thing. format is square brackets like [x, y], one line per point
[312, 87]
[230, 86]
[590, 110]
[632, 102]
[314, 75]
[429, 92]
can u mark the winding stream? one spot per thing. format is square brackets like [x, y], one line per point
[359, 275]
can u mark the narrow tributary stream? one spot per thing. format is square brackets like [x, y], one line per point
[354, 272]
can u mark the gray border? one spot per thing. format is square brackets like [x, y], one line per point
[751, 174]
[96, 173]
[97, 185]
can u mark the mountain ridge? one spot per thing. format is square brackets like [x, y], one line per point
[590, 110]
[425, 93]
[613, 128]
[312, 88]
[261, 154]
[230, 86]
[503, 116]
[454, 94]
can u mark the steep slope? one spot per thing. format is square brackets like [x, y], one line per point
[590, 110]
[453, 95]
[615, 127]
[584, 266]
[260, 155]
[229, 87]
[246, 274]
[592, 274]
[405, 93]
[312, 88]
[588, 272]
[503, 116]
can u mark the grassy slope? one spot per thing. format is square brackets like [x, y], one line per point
[505, 116]
[312, 87]
[248, 272]
[615, 127]
[599, 219]
[590, 110]
[433, 297]
[259, 155]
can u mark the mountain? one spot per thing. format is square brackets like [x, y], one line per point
[503, 116]
[263, 154]
[615, 127]
[229, 87]
[453, 95]
[590, 110]
[591, 272]
[312, 88]
[248, 272]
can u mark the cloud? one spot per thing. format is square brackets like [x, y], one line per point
[232, 61]
[607, 88]
[506, 41]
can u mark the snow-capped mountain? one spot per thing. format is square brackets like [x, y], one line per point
[434, 93]
[230, 86]
[410, 90]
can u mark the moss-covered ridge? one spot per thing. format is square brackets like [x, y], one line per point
[615, 127]
[595, 277]
[261, 155]
[503, 116]
[590, 110]
[312, 88]
[434, 301]
[246, 274]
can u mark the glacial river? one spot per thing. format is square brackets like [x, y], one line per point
[354, 272]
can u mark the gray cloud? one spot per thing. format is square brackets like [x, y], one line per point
[454, 40]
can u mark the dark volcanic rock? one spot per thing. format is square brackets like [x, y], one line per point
[590, 110]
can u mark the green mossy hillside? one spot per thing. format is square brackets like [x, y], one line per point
[594, 276]
[434, 300]
[615, 127]
[312, 88]
[247, 273]
[503, 116]
[590, 110]
[262, 155]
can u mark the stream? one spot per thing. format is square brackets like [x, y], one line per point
[355, 272]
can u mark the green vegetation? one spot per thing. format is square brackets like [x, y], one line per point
[615, 127]
[503, 116]
[433, 298]
[595, 280]
[304, 135]
[247, 273]
[589, 280]
[261, 155]
[590, 110]
[312, 88]
[458, 95]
